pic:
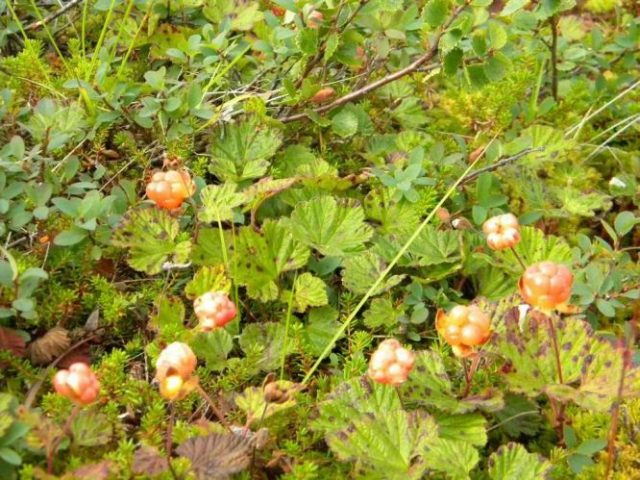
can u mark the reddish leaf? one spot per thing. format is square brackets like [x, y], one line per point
[11, 340]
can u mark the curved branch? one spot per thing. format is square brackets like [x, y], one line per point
[409, 69]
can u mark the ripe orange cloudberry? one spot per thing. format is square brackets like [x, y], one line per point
[174, 371]
[464, 328]
[546, 285]
[502, 231]
[214, 310]
[169, 189]
[391, 363]
[79, 384]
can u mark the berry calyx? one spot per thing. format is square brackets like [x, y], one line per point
[174, 371]
[546, 285]
[169, 189]
[390, 364]
[214, 310]
[502, 231]
[464, 328]
[79, 384]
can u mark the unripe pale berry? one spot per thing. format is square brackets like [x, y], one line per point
[502, 231]
[79, 384]
[546, 285]
[391, 363]
[214, 310]
[315, 19]
[174, 370]
[169, 189]
[464, 328]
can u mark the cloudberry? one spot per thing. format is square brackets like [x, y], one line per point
[214, 310]
[174, 370]
[169, 189]
[464, 328]
[502, 231]
[79, 384]
[546, 285]
[391, 363]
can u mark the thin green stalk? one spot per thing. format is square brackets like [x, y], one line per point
[17, 20]
[391, 265]
[54, 44]
[132, 43]
[83, 28]
[114, 48]
[96, 51]
[285, 340]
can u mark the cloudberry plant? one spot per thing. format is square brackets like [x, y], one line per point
[214, 310]
[546, 285]
[391, 363]
[79, 384]
[502, 231]
[464, 328]
[169, 189]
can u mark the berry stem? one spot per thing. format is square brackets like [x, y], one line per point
[519, 258]
[213, 406]
[560, 408]
[169, 439]
[56, 442]
[469, 373]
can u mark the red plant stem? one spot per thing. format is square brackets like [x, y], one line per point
[559, 409]
[519, 258]
[51, 451]
[169, 439]
[213, 406]
[468, 374]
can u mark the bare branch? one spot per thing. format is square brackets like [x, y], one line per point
[65, 8]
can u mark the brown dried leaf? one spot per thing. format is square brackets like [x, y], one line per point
[50, 346]
[94, 471]
[11, 340]
[216, 456]
[147, 460]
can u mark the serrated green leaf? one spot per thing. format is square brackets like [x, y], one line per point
[535, 247]
[213, 347]
[151, 235]
[263, 257]
[455, 458]
[331, 45]
[361, 271]
[435, 247]
[242, 151]
[469, 427]
[218, 202]
[512, 461]
[365, 422]
[333, 228]
[345, 124]
[269, 337]
[382, 313]
[309, 291]
[211, 246]
[207, 279]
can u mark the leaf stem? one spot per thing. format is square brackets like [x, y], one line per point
[56, 441]
[559, 410]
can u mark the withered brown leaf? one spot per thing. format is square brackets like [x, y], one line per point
[216, 456]
[50, 346]
[148, 461]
